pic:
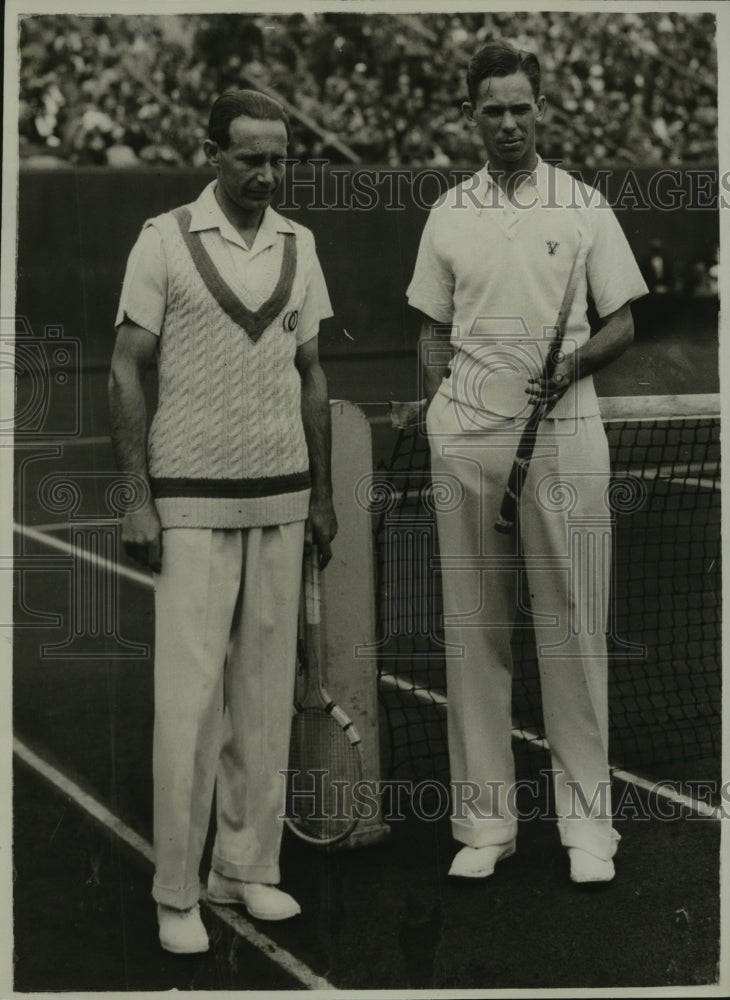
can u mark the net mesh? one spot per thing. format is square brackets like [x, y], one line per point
[664, 643]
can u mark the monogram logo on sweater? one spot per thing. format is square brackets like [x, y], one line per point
[552, 246]
[290, 320]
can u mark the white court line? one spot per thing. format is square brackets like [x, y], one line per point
[284, 959]
[430, 697]
[51, 526]
[56, 543]
[420, 693]
[241, 926]
[696, 805]
[82, 798]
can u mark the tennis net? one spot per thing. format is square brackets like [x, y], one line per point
[664, 646]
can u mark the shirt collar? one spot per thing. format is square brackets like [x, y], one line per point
[493, 195]
[206, 213]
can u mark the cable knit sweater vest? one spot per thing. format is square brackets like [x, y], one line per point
[226, 446]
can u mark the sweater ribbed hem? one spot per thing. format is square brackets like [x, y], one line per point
[231, 512]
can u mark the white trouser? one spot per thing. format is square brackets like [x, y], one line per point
[565, 534]
[226, 608]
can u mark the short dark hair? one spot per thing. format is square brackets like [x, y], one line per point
[499, 58]
[233, 104]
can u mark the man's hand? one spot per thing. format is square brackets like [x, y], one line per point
[321, 528]
[142, 537]
[609, 342]
[549, 391]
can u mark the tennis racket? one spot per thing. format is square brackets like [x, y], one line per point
[324, 756]
[507, 517]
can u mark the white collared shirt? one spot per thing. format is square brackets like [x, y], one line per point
[251, 271]
[495, 270]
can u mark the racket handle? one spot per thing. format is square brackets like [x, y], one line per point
[508, 511]
[312, 593]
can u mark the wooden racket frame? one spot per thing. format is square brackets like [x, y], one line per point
[509, 508]
[316, 696]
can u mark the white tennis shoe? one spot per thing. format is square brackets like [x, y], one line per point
[265, 902]
[585, 867]
[182, 931]
[479, 862]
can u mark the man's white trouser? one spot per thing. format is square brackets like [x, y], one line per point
[226, 608]
[566, 538]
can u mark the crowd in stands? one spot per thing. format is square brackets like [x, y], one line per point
[125, 90]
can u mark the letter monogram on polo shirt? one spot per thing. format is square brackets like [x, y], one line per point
[552, 246]
[253, 321]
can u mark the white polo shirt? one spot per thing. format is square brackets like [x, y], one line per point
[496, 272]
[252, 272]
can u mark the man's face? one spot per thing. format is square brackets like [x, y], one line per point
[252, 168]
[505, 112]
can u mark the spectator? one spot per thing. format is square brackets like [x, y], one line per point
[657, 270]
[702, 280]
[631, 86]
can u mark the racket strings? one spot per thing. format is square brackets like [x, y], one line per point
[321, 793]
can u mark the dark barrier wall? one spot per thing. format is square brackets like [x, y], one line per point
[76, 228]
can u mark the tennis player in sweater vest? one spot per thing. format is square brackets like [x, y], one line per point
[226, 296]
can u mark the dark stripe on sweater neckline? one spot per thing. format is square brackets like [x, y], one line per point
[254, 322]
